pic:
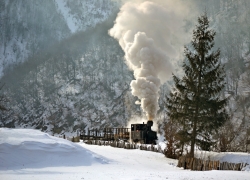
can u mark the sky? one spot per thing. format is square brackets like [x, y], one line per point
[27, 154]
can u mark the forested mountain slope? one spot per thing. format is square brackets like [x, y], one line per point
[62, 71]
[82, 81]
[28, 27]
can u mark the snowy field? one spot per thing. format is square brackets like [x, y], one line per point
[31, 154]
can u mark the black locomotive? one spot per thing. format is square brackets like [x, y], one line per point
[142, 133]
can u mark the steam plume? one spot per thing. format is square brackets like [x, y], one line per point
[151, 36]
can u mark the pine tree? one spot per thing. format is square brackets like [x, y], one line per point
[195, 102]
[3, 100]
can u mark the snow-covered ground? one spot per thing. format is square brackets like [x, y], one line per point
[30, 154]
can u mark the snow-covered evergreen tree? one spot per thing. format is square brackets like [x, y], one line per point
[196, 103]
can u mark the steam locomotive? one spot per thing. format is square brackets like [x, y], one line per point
[141, 133]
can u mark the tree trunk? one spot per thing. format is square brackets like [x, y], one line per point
[193, 139]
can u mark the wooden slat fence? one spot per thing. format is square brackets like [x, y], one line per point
[72, 139]
[206, 165]
[126, 145]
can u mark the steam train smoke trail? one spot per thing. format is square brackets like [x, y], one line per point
[150, 34]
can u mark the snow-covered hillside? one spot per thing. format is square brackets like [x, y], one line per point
[30, 154]
[63, 32]
[62, 72]
[80, 15]
[29, 27]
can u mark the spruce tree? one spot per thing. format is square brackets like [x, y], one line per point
[195, 102]
[3, 100]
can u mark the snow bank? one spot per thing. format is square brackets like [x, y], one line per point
[26, 148]
[30, 154]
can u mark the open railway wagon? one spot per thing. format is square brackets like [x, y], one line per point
[106, 134]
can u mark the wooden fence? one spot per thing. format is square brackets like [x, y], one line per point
[125, 145]
[206, 165]
[72, 139]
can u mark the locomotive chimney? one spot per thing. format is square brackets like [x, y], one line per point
[149, 124]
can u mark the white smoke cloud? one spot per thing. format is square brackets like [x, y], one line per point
[151, 35]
